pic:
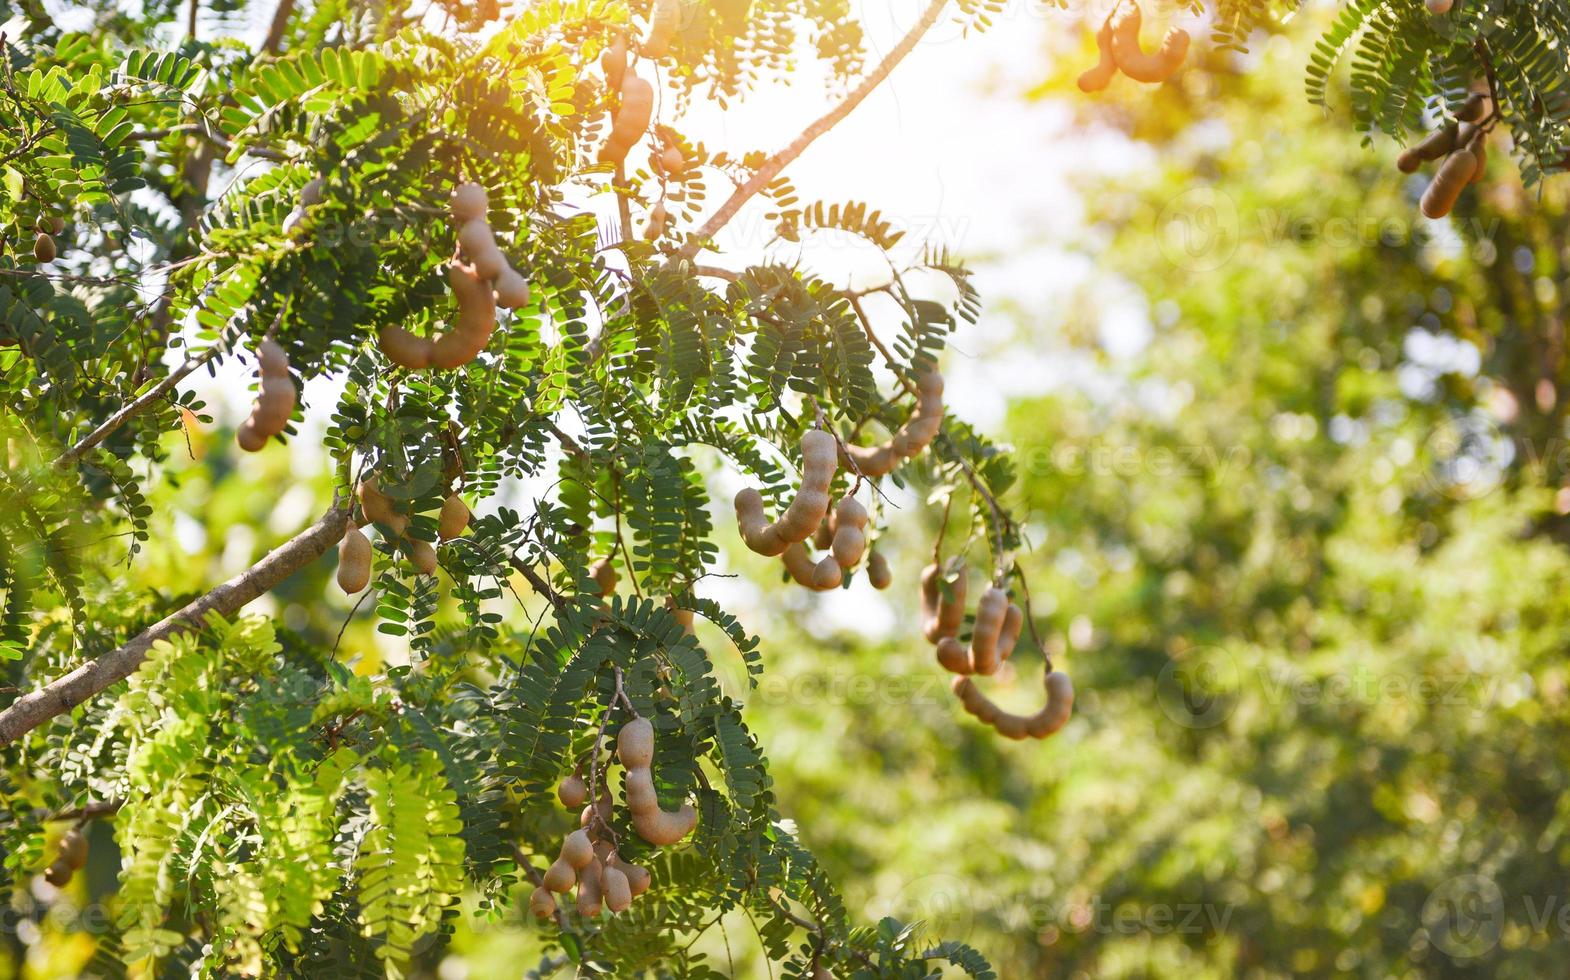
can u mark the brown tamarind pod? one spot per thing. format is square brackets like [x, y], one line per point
[1097, 78]
[44, 248]
[804, 572]
[404, 348]
[658, 218]
[811, 503]
[870, 461]
[638, 879]
[479, 244]
[954, 656]
[275, 399]
[59, 873]
[657, 826]
[826, 574]
[1046, 722]
[1479, 148]
[469, 203]
[878, 572]
[926, 421]
[604, 574]
[423, 556]
[631, 120]
[1474, 108]
[476, 319]
[756, 532]
[454, 518]
[1453, 176]
[378, 507]
[635, 744]
[1439, 7]
[615, 887]
[990, 612]
[73, 849]
[590, 898]
[850, 538]
[613, 61]
[572, 791]
[1132, 60]
[601, 807]
[672, 160]
[577, 849]
[941, 616]
[823, 537]
[512, 289]
[250, 438]
[354, 560]
[1008, 636]
[271, 358]
[542, 903]
[1437, 144]
[663, 21]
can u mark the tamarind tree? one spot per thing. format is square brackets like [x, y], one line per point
[488, 232]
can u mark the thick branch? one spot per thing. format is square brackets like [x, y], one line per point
[64, 693]
[131, 408]
[778, 162]
[279, 25]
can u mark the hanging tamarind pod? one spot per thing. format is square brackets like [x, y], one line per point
[1096, 78]
[663, 21]
[1453, 176]
[635, 748]
[274, 401]
[1132, 60]
[354, 560]
[454, 518]
[631, 120]
[878, 572]
[1044, 723]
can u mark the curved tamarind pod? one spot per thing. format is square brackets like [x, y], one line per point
[1479, 148]
[990, 612]
[423, 556]
[589, 896]
[1435, 145]
[73, 849]
[1008, 637]
[250, 438]
[271, 358]
[613, 61]
[803, 571]
[1454, 174]
[653, 824]
[454, 518]
[635, 744]
[941, 617]
[954, 656]
[631, 120]
[479, 244]
[404, 348]
[542, 903]
[512, 289]
[615, 887]
[274, 400]
[476, 319]
[662, 27]
[604, 574]
[1131, 58]
[354, 560]
[850, 539]
[925, 421]
[878, 572]
[930, 594]
[658, 218]
[1048, 721]
[870, 461]
[756, 532]
[638, 879]
[572, 791]
[59, 873]
[1097, 78]
[469, 203]
[807, 510]
[44, 248]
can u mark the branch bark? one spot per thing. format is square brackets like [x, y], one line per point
[280, 24]
[773, 166]
[64, 693]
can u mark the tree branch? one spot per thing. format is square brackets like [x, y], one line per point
[280, 24]
[113, 422]
[778, 162]
[64, 693]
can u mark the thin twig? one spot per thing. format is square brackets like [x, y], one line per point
[132, 408]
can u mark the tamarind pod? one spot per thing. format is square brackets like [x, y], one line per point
[512, 289]
[613, 61]
[878, 572]
[672, 160]
[850, 539]
[1439, 7]
[823, 537]
[635, 744]
[637, 108]
[275, 403]
[542, 903]
[469, 202]
[948, 614]
[476, 319]
[990, 612]
[250, 438]
[272, 359]
[73, 849]
[354, 561]
[375, 505]
[931, 580]
[806, 511]
[1097, 78]
[1479, 148]
[423, 556]
[589, 897]
[559, 877]
[1008, 637]
[572, 791]
[658, 217]
[1060, 705]
[602, 806]
[662, 27]
[404, 348]
[756, 532]
[454, 518]
[826, 574]
[1474, 108]
[577, 850]
[869, 461]
[1132, 60]
[59, 873]
[616, 888]
[802, 569]
[603, 850]
[480, 246]
[953, 656]
[686, 618]
[1435, 145]
[638, 879]
[604, 574]
[663, 829]
[44, 248]
[925, 421]
[1454, 174]
[641, 795]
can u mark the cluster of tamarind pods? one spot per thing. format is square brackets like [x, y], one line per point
[589, 858]
[274, 402]
[48, 227]
[354, 548]
[1462, 145]
[1118, 42]
[71, 858]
